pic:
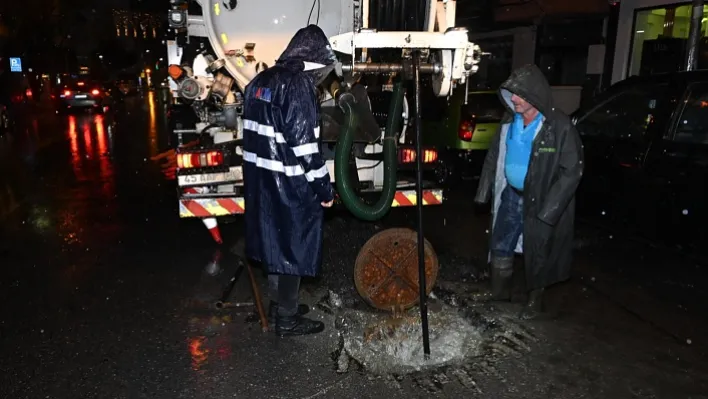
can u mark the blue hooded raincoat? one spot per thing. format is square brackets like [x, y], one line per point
[285, 176]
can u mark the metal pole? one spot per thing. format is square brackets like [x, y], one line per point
[419, 208]
[694, 36]
[378, 67]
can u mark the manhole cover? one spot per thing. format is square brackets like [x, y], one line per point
[386, 269]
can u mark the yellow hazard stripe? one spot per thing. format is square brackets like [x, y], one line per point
[411, 196]
[207, 207]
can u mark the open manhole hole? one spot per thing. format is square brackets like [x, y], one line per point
[383, 344]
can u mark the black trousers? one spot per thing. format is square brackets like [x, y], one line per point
[284, 289]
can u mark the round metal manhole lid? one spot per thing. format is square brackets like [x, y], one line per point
[386, 269]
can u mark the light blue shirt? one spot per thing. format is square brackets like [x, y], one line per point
[519, 143]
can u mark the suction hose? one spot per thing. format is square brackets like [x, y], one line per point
[346, 191]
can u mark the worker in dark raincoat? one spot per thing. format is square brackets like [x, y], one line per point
[286, 181]
[532, 170]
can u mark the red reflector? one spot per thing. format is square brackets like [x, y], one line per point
[466, 130]
[199, 159]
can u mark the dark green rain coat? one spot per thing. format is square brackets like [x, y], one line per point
[554, 172]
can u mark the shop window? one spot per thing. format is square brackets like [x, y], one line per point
[693, 124]
[659, 39]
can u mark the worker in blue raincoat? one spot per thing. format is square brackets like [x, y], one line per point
[286, 181]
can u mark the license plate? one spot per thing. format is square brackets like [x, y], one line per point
[81, 96]
[233, 175]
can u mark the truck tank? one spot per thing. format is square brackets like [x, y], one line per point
[249, 35]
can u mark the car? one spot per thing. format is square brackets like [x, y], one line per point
[462, 133]
[81, 94]
[646, 159]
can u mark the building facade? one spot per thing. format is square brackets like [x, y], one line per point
[652, 36]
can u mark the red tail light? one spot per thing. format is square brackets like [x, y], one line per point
[67, 93]
[407, 155]
[466, 130]
[199, 159]
[95, 92]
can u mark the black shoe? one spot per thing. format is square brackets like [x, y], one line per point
[534, 306]
[302, 309]
[290, 326]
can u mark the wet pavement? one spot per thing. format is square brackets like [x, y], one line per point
[107, 294]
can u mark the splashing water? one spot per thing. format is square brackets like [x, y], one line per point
[383, 344]
[395, 345]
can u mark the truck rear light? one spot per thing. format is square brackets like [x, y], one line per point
[430, 156]
[407, 155]
[466, 130]
[200, 159]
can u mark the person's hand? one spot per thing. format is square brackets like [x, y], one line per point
[327, 204]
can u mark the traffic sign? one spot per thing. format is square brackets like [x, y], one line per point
[15, 64]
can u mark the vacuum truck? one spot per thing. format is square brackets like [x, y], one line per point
[367, 114]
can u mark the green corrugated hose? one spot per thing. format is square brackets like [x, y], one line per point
[350, 199]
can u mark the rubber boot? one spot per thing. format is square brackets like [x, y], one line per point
[534, 306]
[302, 309]
[501, 273]
[290, 326]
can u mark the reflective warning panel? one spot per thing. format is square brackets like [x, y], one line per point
[408, 198]
[208, 207]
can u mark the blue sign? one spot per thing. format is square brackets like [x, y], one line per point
[15, 64]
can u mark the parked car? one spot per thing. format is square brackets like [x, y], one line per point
[461, 132]
[81, 94]
[646, 155]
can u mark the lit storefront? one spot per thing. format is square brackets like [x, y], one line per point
[651, 37]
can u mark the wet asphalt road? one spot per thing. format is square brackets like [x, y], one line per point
[106, 293]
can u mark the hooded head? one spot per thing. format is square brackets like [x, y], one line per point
[309, 50]
[526, 86]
